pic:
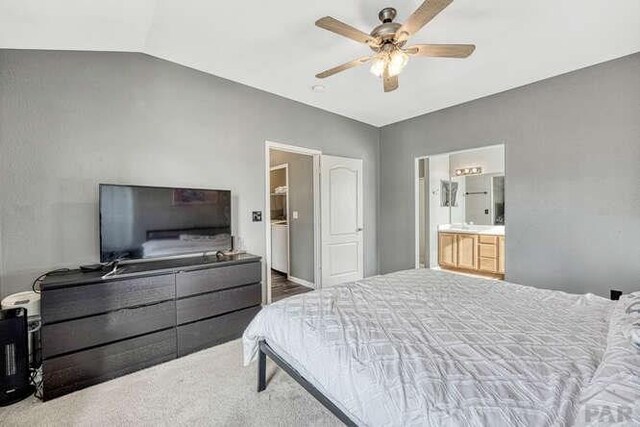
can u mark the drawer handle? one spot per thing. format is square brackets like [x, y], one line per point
[135, 307]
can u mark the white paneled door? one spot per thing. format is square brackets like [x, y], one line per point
[342, 228]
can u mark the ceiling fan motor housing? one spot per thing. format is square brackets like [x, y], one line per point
[388, 14]
[388, 29]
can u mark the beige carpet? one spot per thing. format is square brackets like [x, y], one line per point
[206, 388]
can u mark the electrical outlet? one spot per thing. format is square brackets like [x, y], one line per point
[257, 216]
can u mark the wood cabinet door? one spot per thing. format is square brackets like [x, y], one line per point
[489, 265]
[468, 251]
[501, 255]
[447, 250]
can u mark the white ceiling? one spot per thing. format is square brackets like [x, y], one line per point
[274, 45]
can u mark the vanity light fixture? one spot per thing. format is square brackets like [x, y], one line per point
[475, 170]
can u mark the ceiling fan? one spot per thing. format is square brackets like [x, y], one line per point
[388, 41]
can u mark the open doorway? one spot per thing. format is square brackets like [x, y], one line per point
[292, 225]
[460, 211]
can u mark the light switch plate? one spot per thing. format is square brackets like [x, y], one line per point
[257, 216]
[295, 214]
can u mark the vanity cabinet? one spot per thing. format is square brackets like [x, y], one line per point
[448, 250]
[473, 253]
[467, 251]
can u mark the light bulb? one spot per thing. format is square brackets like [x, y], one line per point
[397, 62]
[377, 67]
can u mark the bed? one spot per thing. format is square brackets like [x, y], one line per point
[425, 347]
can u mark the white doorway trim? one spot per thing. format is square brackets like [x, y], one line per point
[416, 198]
[268, 146]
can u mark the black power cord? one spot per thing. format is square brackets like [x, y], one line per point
[35, 285]
[36, 380]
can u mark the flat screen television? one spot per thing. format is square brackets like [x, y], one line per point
[158, 222]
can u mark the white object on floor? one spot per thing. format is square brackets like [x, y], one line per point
[425, 347]
[29, 300]
[206, 388]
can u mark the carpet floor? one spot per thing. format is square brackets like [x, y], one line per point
[210, 387]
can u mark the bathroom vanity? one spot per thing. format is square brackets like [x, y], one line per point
[472, 249]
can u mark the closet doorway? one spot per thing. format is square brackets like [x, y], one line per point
[292, 223]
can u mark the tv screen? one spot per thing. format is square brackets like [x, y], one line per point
[153, 222]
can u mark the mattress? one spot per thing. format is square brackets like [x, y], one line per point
[425, 347]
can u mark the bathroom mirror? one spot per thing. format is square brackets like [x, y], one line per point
[481, 199]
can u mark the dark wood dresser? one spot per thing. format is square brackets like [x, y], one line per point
[98, 329]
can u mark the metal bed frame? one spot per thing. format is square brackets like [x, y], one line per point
[264, 350]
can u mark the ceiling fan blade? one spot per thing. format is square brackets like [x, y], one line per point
[421, 17]
[390, 83]
[343, 67]
[331, 24]
[441, 50]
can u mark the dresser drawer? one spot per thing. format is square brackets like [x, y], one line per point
[215, 279]
[488, 251]
[91, 331]
[79, 301]
[216, 303]
[78, 370]
[491, 240]
[206, 333]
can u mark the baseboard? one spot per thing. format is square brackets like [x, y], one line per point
[301, 282]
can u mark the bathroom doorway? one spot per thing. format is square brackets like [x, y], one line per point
[460, 211]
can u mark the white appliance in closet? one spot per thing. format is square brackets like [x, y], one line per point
[280, 247]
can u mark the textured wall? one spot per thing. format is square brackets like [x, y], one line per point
[301, 200]
[573, 176]
[69, 120]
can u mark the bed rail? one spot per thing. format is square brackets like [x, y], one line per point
[265, 350]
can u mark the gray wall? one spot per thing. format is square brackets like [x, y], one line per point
[573, 176]
[69, 120]
[301, 200]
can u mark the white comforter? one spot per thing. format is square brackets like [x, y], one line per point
[424, 347]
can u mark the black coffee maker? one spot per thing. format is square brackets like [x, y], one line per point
[15, 381]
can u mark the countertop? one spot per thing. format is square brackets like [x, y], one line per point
[493, 230]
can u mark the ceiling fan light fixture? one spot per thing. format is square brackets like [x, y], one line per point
[388, 41]
[378, 65]
[397, 61]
